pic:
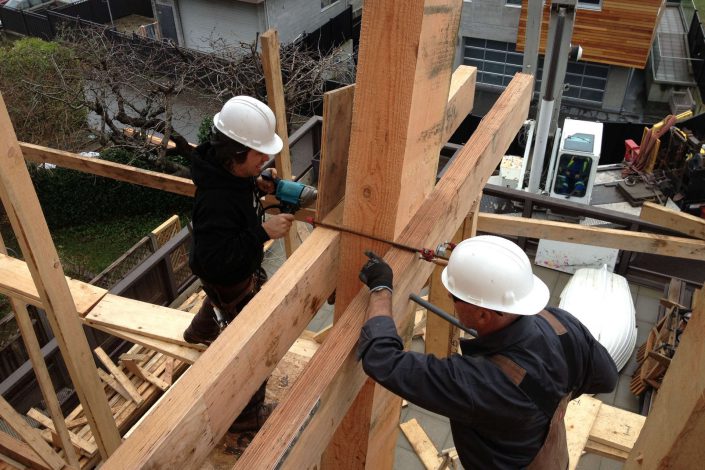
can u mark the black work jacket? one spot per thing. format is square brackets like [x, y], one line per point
[227, 230]
[494, 424]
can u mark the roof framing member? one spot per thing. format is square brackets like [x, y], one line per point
[28, 223]
[296, 433]
[403, 80]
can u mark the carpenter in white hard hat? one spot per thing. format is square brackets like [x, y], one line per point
[505, 391]
[229, 227]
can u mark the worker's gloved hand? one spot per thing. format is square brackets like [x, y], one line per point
[376, 274]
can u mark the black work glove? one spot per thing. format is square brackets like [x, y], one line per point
[376, 274]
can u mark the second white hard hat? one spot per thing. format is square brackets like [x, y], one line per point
[250, 122]
[494, 273]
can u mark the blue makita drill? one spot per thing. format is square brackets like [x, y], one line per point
[291, 195]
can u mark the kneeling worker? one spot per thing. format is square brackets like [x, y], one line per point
[506, 394]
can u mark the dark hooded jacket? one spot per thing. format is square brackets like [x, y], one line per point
[227, 230]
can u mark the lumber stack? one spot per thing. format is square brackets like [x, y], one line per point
[654, 356]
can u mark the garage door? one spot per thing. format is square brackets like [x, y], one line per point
[203, 21]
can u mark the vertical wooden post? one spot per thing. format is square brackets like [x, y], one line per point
[25, 214]
[275, 98]
[674, 431]
[335, 143]
[441, 336]
[403, 79]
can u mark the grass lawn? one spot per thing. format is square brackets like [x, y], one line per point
[86, 250]
[700, 5]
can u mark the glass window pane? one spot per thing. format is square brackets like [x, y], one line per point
[592, 95]
[598, 83]
[496, 56]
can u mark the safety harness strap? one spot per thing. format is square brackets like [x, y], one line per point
[527, 384]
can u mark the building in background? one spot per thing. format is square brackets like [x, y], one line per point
[636, 55]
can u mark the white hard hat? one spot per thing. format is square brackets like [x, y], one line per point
[494, 273]
[250, 122]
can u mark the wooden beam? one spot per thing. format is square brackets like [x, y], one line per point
[588, 235]
[579, 418]
[31, 343]
[189, 421]
[111, 382]
[422, 445]
[116, 171]
[88, 448]
[296, 433]
[674, 431]
[16, 282]
[30, 435]
[441, 337]
[461, 99]
[271, 66]
[616, 428]
[402, 88]
[20, 452]
[133, 316]
[182, 353]
[25, 214]
[335, 143]
[135, 368]
[679, 221]
[119, 375]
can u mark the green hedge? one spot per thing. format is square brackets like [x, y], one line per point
[71, 198]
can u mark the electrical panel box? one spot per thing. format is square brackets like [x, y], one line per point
[576, 161]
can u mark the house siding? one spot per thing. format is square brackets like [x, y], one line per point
[294, 17]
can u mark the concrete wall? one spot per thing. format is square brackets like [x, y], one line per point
[294, 17]
[617, 81]
[490, 19]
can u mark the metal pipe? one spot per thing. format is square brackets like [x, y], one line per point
[447, 317]
[546, 110]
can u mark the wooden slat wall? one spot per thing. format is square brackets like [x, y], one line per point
[620, 33]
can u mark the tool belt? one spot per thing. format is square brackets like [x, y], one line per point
[228, 299]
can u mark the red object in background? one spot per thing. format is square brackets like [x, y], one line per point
[631, 150]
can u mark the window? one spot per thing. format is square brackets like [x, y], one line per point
[513, 3]
[590, 4]
[497, 62]
[572, 175]
[327, 3]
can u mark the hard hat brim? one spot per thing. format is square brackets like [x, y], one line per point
[530, 304]
[272, 147]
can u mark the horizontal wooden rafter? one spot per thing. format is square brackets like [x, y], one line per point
[606, 237]
[679, 221]
[16, 281]
[116, 171]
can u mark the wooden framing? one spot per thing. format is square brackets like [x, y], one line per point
[22, 207]
[296, 433]
[275, 96]
[399, 116]
[192, 417]
[116, 171]
[607, 237]
[679, 221]
[674, 432]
